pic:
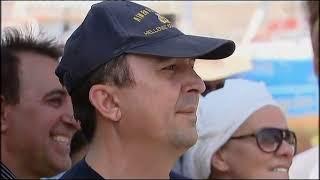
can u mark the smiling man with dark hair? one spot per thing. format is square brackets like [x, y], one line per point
[36, 112]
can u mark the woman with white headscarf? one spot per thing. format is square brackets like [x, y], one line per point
[243, 134]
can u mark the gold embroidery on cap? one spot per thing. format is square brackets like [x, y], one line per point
[157, 29]
[145, 12]
[162, 19]
[142, 14]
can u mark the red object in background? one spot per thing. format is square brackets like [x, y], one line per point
[282, 24]
[276, 26]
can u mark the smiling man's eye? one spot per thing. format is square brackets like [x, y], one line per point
[55, 102]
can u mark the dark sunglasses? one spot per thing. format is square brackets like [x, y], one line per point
[270, 139]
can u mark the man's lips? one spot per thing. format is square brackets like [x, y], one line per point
[188, 110]
[62, 139]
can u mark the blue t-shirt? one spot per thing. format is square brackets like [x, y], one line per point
[83, 171]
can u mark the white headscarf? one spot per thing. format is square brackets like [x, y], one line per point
[221, 113]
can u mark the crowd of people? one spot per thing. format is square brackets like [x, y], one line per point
[125, 102]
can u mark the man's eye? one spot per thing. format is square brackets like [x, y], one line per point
[55, 102]
[172, 67]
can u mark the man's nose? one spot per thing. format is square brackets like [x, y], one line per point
[194, 82]
[70, 121]
[67, 116]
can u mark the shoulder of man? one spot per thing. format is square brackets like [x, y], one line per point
[174, 175]
[81, 170]
[6, 172]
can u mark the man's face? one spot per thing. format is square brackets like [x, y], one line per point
[246, 160]
[161, 107]
[40, 126]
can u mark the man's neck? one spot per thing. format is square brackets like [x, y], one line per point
[112, 158]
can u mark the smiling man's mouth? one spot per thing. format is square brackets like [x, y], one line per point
[61, 139]
[280, 169]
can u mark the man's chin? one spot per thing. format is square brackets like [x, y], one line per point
[59, 166]
[186, 138]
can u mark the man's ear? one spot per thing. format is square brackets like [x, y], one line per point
[218, 161]
[4, 114]
[105, 101]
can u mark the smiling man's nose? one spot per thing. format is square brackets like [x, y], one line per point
[71, 121]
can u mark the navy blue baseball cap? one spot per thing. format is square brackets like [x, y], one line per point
[112, 28]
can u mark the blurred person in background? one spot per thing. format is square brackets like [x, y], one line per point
[213, 85]
[243, 134]
[306, 164]
[37, 121]
[313, 20]
[133, 87]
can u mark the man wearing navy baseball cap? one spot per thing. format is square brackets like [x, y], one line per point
[130, 76]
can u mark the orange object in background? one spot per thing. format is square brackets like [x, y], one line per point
[307, 131]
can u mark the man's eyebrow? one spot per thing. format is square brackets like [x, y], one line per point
[168, 60]
[56, 92]
[162, 60]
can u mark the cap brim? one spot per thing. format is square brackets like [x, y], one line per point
[187, 46]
